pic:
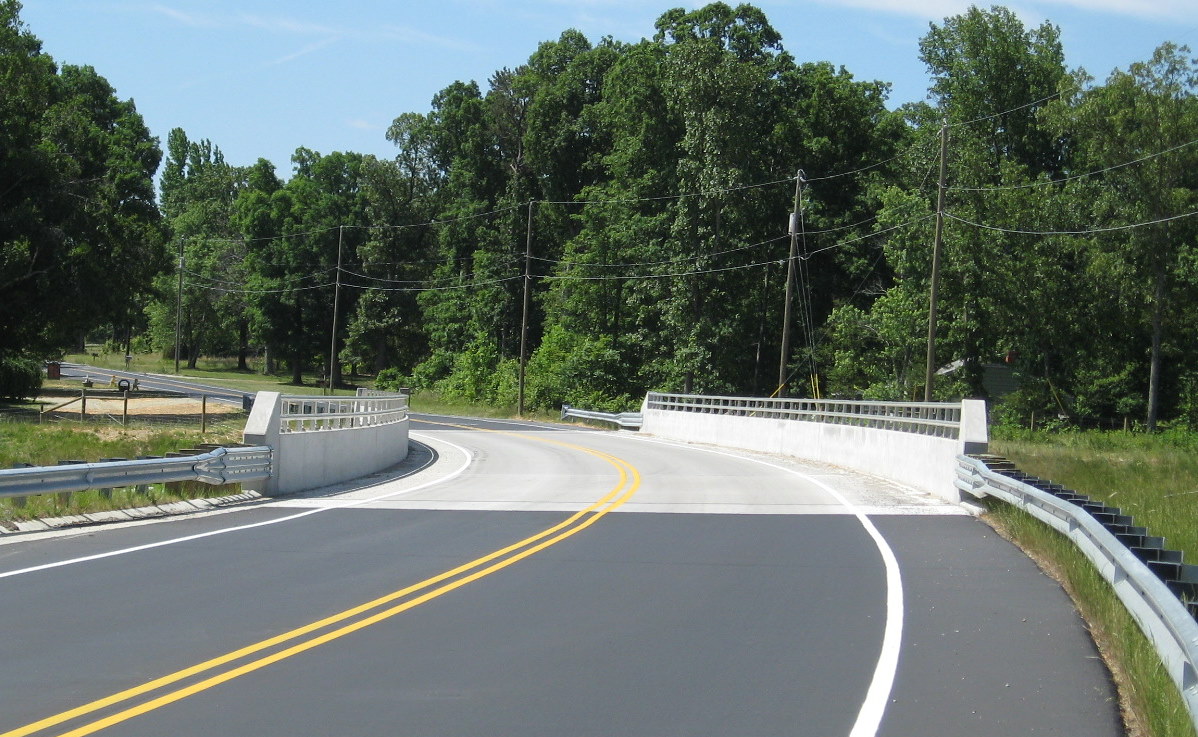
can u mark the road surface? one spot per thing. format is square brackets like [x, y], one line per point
[524, 579]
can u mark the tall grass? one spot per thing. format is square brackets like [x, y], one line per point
[1154, 478]
[1151, 477]
[1149, 701]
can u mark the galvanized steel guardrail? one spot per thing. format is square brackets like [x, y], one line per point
[1158, 610]
[926, 418]
[300, 413]
[218, 466]
[630, 420]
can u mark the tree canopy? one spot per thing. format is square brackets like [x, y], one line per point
[643, 194]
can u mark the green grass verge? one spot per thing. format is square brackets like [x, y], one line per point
[46, 445]
[1153, 478]
[1150, 703]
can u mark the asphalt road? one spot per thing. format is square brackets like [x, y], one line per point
[154, 382]
[514, 579]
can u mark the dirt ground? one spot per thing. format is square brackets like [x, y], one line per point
[144, 406]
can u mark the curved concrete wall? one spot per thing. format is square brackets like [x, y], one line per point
[314, 458]
[923, 462]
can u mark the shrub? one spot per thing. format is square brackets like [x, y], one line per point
[20, 376]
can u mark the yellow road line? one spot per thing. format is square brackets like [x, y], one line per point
[628, 475]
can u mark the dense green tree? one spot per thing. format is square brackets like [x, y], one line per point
[80, 234]
[1148, 109]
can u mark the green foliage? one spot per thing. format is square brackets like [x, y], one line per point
[390, 379]
[582, 371]
[20, 376]
[651, 182]
[80, 235]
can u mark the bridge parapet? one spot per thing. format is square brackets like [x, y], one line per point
[323, 440]
[912, 443]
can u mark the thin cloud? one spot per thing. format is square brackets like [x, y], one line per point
[364, 125]
[937, 9]
[310, 48]
[290, 26]
[194, 20]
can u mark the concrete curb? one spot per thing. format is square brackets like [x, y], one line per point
[169, 509]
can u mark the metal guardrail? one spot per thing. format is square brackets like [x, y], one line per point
[925, 418]
[219, 466]
[630, 420]
[1163, 617]
[308, 414]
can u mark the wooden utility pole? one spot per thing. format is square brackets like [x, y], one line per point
[524, 319]
[790, 280]
[179, 308]
[937, 242]
[336, 304]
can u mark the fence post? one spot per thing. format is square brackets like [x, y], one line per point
[125, 409]
[82, 405]
[203, 413]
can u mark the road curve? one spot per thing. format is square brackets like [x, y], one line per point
[521, 579]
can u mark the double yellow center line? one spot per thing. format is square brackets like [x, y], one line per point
[234, 664]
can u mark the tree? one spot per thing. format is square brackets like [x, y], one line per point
[80, 234]
[1149, 108]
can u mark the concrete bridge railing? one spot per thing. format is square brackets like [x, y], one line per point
[323, 440]
[912, 443]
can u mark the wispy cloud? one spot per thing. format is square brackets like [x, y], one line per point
[310, 48]
[290, 26]
[364, 125]
[195, 20]
[936, 9]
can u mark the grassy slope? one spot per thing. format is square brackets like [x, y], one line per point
[1152, 478]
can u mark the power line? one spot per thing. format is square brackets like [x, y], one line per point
[1076, 176]
[1005, 112]
[1092, 231]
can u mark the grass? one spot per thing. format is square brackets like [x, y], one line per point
[46, 445]
[1153, 478]
[1149, 701]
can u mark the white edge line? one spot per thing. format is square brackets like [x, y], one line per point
[173, 541]
[869, 718]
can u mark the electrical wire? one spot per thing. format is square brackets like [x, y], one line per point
[1092, 231]
[226, 290]
[1076, 176]
[433, 289]
[1005, 112]
[583, 264]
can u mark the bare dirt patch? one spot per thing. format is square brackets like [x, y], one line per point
[175, 406]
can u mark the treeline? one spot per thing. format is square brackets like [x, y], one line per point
[642, 194]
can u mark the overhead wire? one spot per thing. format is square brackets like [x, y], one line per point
[1045, 182]
[1089, 231]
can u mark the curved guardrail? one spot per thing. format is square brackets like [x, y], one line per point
[925, 418]
[308, 414]
[1162, 616]
[326, 440]
[629, 420]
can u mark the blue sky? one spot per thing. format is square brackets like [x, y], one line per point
[260, 78]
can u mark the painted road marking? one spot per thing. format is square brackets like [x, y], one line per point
[869, 716]
[629, 482]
